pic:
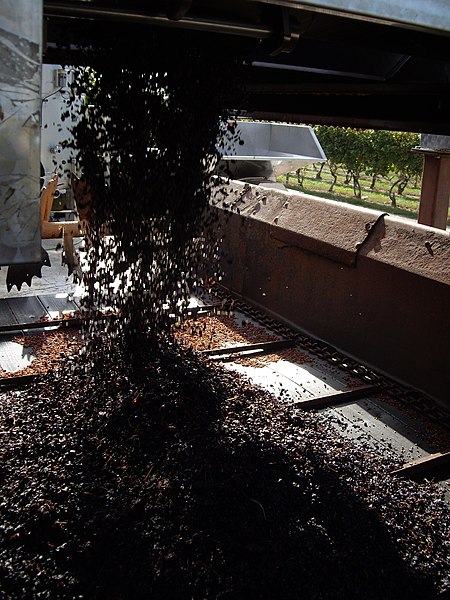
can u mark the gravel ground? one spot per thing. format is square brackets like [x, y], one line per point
[181, 481]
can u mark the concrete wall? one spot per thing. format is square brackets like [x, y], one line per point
[373, 286]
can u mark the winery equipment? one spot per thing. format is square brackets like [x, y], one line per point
[269, 150]
[315, 61]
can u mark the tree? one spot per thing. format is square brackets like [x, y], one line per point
[332, 140]
[357, 154]
[378, 153]
[406, 163]
[381, 154]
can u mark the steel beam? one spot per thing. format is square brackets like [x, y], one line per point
[335, 398]
[197, 23]
[432, 15]
[248, 350]
[426, 466]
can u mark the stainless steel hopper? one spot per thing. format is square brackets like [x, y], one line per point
[268, 150]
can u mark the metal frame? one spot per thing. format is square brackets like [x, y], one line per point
[432, 15]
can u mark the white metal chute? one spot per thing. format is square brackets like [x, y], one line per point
[265, 149]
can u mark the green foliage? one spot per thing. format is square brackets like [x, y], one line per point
[382, 153]
[406, 162]
[376, 153]
[90, 82]
[332, 140]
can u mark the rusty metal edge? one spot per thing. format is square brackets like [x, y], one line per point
[18, 381]
[424, 466]
[263, 347]
[337, 397]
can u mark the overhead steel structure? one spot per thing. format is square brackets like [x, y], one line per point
[381, 64]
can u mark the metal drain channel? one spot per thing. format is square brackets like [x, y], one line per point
[373, 382]
[413, 398]
[248, 350]
[435, 464]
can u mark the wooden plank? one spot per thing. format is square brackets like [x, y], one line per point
[424, 466]
[336, 397]
[27, 309]
[434, 200]
[6, 314]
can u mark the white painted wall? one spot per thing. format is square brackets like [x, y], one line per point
[53, 129]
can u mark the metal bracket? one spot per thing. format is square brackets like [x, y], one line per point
[370, 228]
[285, 35]
[177, 9]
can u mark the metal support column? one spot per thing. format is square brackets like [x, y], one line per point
[435, 193]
